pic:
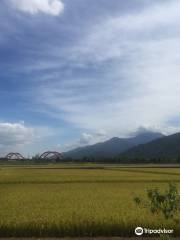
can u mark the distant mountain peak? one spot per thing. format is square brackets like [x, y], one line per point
[114, 146]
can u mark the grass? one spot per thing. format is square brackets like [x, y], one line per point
[78, 200]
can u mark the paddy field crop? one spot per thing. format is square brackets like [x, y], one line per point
[67, 200]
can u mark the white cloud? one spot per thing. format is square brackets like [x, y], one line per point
[13, 136]
[138, 58]
[86, 139]
[52, 7]
[115, 37]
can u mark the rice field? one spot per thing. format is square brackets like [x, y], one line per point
[79, 200]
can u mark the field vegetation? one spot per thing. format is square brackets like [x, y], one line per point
[64, 200]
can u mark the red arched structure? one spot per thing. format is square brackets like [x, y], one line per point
[14, 156]
[50, 155]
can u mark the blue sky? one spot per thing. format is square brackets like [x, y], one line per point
[78, 72]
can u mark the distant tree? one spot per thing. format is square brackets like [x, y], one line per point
[35, 158]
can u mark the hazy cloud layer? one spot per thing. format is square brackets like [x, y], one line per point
[138, 80]
[52, 7]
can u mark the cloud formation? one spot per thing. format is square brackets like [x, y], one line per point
[51, 7]
[116, 70]
[86, 139]
[14, 136]
[136, 57]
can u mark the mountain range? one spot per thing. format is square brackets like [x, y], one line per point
[167, 146]
[114, 147]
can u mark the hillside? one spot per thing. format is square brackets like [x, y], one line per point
[168, 146]
[112, 147]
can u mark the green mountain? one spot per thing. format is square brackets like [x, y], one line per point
[112, 147]
[168, 147]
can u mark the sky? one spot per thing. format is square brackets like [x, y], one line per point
[73, 73]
